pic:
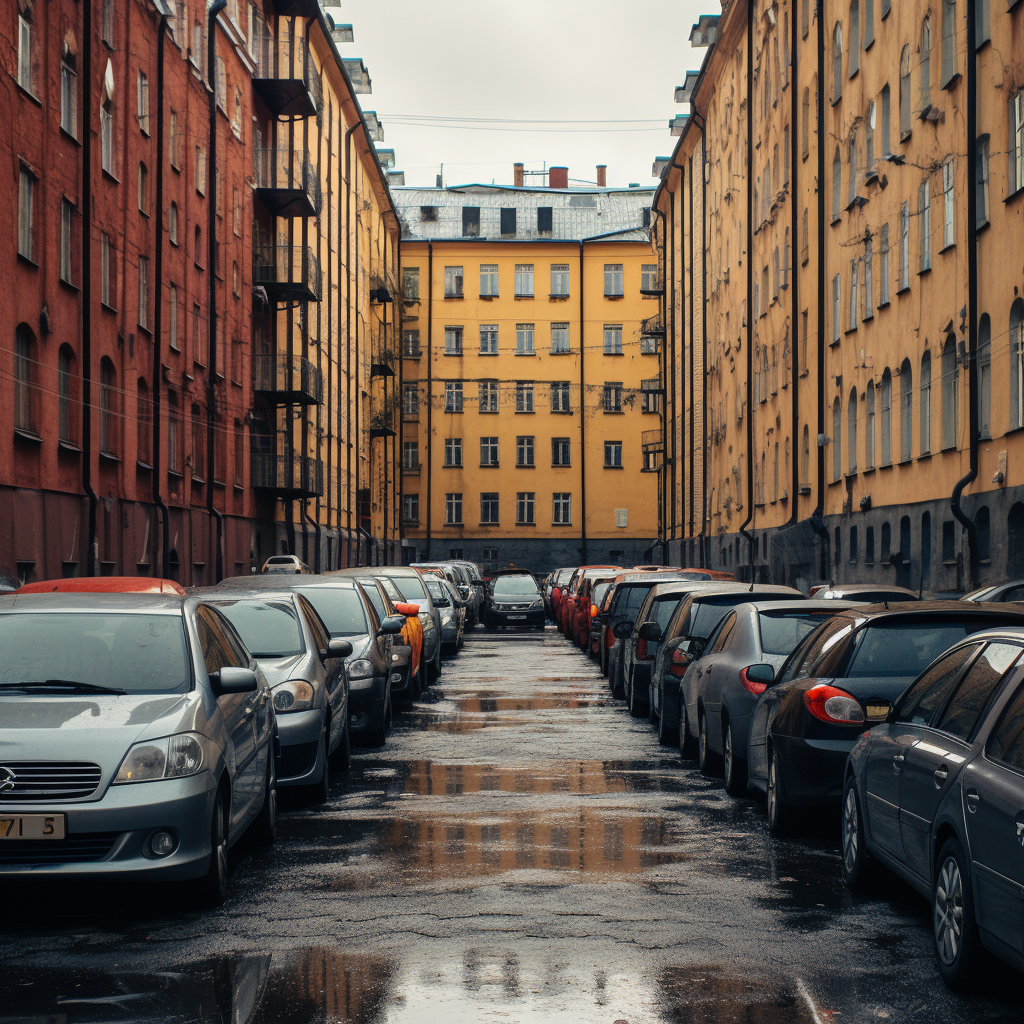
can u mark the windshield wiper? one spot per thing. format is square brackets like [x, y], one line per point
[59, 685]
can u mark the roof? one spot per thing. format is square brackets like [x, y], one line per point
[105, 585]
[84, 602]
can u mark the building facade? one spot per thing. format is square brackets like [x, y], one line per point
[531, 373]
[858, 262]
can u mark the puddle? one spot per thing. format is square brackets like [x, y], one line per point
[707, 995]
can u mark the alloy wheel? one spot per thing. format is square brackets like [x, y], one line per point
[773, 795]
[948, 912]
[851, 831]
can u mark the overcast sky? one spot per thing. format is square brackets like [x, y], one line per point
[546, 60]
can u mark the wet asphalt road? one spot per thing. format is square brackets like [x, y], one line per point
[521, 850]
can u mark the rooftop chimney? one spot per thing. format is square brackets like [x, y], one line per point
[602, 175]
[558, 177]
[517, 175]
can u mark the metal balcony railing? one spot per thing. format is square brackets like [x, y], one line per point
[286, 272]
[287, 183]
[285, 77]
[654, 326]
[290, 476]
[652, 441]
[288, 379]
[653, 384]
[655, 287]
[649, 345]
[383, 362]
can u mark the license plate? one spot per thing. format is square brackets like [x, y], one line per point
[517, 616]
[32, 826]
[877, 711]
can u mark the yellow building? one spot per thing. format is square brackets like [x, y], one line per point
[528, 378]
[862, 290]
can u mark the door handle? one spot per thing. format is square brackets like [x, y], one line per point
[940, 776]
[897, 760]
[973, 799]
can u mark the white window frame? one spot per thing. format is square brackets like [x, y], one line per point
[453, 396]
[453, 508]
[613, 339]
[142, 101]
[26, 213]
[524, 339]
[948, 209]
[561, 396]
[524, 280]
[453, 282]
[526, 508]
[561, 508]
[489, 451]
[68, 99]
[488, 339]
[453, 452]
[613, 454]
[560, 337]
[25, 54]
[526, 451]
[524, 396]
[489, 279]
[453, 341]
[488, 396]
[613, 279]
[560, 279]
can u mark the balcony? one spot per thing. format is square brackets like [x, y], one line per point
[652, 385]
[287, 380]
[297, 8]
[383, 363]
[286, 78]
[653, 326]
[655, 287]
[289, 476]
[286, 272]
[649, 345]
[652, 441]
[287, 183]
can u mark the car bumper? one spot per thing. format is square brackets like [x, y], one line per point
[814, 768]
[110, 836]
[449, 634]
[517, 619]
[300, 761]
[400, 669]
[366, 712]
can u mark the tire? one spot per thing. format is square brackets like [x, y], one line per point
[212, 889]
[734, 767]
[615, 681]
[687, 746]
[780, 811]
[264, 828]
[341, 759]
[958, 950]
[319, 791]
[637, 707]
[705, 758]
[377, 733]
[434, 668]
[667, 735]
[856, 859]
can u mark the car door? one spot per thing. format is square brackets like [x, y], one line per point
[711, 679]
[332, 669]
[933, 761]
[889, 743]
[993, 787]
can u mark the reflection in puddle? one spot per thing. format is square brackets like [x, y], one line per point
[706, 995]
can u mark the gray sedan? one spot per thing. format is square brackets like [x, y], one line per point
[136, 733]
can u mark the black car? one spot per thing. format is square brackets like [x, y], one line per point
[936, 794]
[515, 603]
[843, 677]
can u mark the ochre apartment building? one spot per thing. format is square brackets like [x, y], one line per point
[531, 372]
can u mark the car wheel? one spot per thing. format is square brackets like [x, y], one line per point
[704, 755]
[687, 746]
[342, 756]
[632, 702]
[735, 770]
[265, 826]
[667, 736]
[320, 790]
[957, 943]
[212, 888]
[780, 812]
[856, 859]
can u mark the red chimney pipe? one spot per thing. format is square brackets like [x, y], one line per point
[517, 175]
[558, 177]
[602, 175]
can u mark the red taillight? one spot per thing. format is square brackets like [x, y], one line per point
[641, 648]
[832, 705]
[594, 611]
[609, 638]
[751, 685]
[680, 663]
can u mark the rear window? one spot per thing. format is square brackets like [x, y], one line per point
[664, 609]
[341, 609]
[706, 614]
[137, 653]
[903, 648]
[410, 587]
[782, 631]
[599, 593]
[268, 630]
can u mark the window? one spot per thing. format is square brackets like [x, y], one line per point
[453, 341]
[883, 288]
[65, 369]
[489, 278]
[453, 451]
[613, 455]
[613, 397]
[851, 185]
[544, 220]
[524, 452]
[929, 693]
[107, 289]
[613, 279]
[470, 221]
[886, 418]
[508, 220]
[410, 400]
[805, 458]
[453, 509]
[947, 203]
[905, 94]
[906, 410]
[869, 426]
[144, 292]
[488, 396]
[559, 337]
[172, 223]
[650, 401]
[488, 451]
[837, 186]
[524, 280]
[411, 456]
[1017, 363]
[613, 339]
[524, 339]
[883, 129]
[560, 451]
[559, 278]
[69, 96]
[489, 508]
[981, 181]
[174, 142]
[979, 683]
[525, 508]
[26, 214]
[411, 283]
[949, 393]
[524, 396]
[869, 22]
[142, 102]
[67, 213]
[488, 339]
[198, 445]
[560, 396]
[904, 282]
[851, 323]
[561, 505]
[854, 58]
[984, 376]
[200, 170]
[24, 360]
[411, 508]
[1016, 166]
[453, 282]
[236, 117]
[924, 61]
[649, 277]
[25, 49]
[785, 154]
[926, 403]
[143, 189]
[107, 23]
[836, 441]
[869, 284]
[411, 344]
[837, 63]
[175, 434]
[453, 396]
[144, 424]
[805, 125]
[108, 407]
[107, 136]
[851, 431]
[837, 293]
[948, 69]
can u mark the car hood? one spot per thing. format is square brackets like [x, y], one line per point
[277, 670]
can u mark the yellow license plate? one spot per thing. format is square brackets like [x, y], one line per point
[877, 711]
[32, 826]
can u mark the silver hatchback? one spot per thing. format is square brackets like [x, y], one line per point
[136, 740]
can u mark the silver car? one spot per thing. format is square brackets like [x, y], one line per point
[136, 734]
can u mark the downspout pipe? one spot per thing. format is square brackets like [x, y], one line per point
[701, 123]
[348, 338]
[583, 420]
[794, 163]
[158, 337]
[972, 315]
[211, 380]
[430, 384]
[666, 276]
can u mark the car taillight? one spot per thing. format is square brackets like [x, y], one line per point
[641, 648]
[751, 685]
[680, 663]
[609, 638]
[594, 611]
[832, 705]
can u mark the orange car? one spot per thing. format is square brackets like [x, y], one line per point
[104, 585]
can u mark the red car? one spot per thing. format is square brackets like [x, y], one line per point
[104, 585]
[571, 606]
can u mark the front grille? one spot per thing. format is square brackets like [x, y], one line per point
[75, 849]
[296, 759]
[41, 781]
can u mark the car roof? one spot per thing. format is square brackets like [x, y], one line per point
[863, 613]
[860, 588]
[105, 585]
[214, 595]
[116, 602]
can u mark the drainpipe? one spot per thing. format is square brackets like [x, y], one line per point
[211, 386]
[702, 124]
[158, 337]
[583, 423]
[348, 337]
[663, 373]
[744, 532]
[90, 535]
[794, 163]
[430, 380]
[689, 193]
[972, 313]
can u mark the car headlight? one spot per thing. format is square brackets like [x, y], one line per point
[536, 604]
[428, 623]
[293, 695]
[171, 757]
[360, 668]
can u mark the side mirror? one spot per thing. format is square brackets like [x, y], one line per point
[761, 674]
[622, 630]
[338, 648]
[464, 591]
[650, 631]
[233, 680]
[391, 625]
[442, 602]
[407, 609]
[693, 645]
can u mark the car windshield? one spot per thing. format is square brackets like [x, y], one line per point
[628, 600]
[374, 596]
[340, 608]
[269, 630]
[563, 576]
[903, 648]
[410, 587]
[599, 593]
[705, 615]
[782, 631]
[435, 588]
[663, 610]
[515, 586]
[390, 589]
[127, 651]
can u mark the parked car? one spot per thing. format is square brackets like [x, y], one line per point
[287, 564]
[936, 795]
[555, 592]
[515, 603]
[104, 585]
[843, 677]
[601, 594]
[1009, 590]
[453, 612]
[572, 603]
[720, 687]
[137, 735]
[477, 582]
[407, 648]
[586, 609]
[866, 593]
